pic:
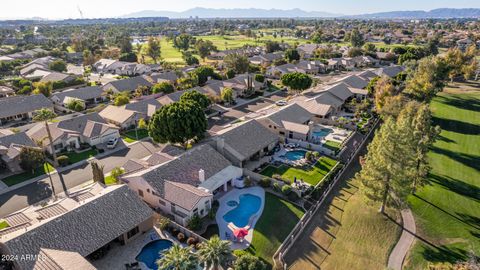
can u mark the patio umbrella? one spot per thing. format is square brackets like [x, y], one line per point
[240, 233]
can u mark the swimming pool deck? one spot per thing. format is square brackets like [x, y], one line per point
[119, 255]
[224, 227]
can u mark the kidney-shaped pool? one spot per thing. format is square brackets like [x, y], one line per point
[151, 252]
[240, 215]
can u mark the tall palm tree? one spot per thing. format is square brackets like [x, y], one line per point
[214, 252]
[177, 258]
[45, 115]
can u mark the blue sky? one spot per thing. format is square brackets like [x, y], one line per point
[112, 8]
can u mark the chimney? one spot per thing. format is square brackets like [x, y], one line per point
[220, 145]
[201, 175]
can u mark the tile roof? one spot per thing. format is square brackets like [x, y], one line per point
[14, 105]
[291, 113]
[355, 81]
[248, 138]
[83, 93]
[130, 84]
[85, 228]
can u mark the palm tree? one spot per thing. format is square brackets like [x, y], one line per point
[45, 115]
[214, 252]
[177, 258]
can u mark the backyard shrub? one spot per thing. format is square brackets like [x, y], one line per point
[181, 237]
[316, 154]
[174, 231]
[192, 241]
[248, 181]
[198, 246]
[212, 213]
[265, 182]
[277, 176]
[308, 155]
[286, 189]
[215, 204]
[194, 223]
[163, 223]
[63, 161]
[249, 262]
[277, 186]
[240, 252]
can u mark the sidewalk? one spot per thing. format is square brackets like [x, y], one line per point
[395, 261]
[5, 189]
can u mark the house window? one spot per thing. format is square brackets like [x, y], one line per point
[132, 232]
[270, 126]
[148, 190]
[281, 133]
[195, 211]
[140, 193]
[274, 127]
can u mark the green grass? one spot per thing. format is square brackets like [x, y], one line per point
[447, 209]
[332, 145]
[74, 157]
[310, 174]
[278, 219]
[18, 178]
[238, 41]
[3, 224]
[130, 136]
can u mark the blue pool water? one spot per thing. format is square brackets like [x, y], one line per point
[322, 133]
[295, 155]
[151, 252]
[240, 215]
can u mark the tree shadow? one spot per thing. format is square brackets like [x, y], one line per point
[469, 160]
[458, 218]
[444, 254]
[457, 126]
[457, 186]
[444, 139]
[465, 102]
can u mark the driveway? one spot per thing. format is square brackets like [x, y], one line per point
[27, 195]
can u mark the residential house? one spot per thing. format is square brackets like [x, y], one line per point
[127, 116]
[464, 43]
[39, 63]
[355, 81]
[63, 235]
[184, 186]
[367, 74]
[169, 76]
[278, 71]
[127, 85]
[123, 68]
[290, 122]
[89, 95]
[18, 108]
[307, 51]
[244, 142]
[6, 91]
[172, 97]
[266, 59]
[89, 129]
[390, 71]
[58, 77]
[10, 147]
[313, 67]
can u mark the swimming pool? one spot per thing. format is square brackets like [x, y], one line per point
[151, 252]
[322, 133]
[240, 216]
[295, 155]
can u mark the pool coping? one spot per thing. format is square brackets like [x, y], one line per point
[223, 226]
[143, 264]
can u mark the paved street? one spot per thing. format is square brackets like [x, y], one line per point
[35, 192]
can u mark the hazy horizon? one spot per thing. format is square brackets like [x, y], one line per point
[51, 9]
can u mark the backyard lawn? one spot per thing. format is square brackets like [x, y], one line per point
[332, 145]
[18, 178]
[3, 224]
[447, 209]
[310, 174]
[277, 221]
[130, 136]
[74, 157]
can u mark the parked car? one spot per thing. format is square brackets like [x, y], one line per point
[112, 143]
[281, 103]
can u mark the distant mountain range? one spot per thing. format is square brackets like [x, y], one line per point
[233, 13]
[442, 13]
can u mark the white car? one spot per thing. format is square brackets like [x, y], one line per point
[112, 143]
[281, 103]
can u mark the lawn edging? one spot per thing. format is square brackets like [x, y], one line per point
[297, 230]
